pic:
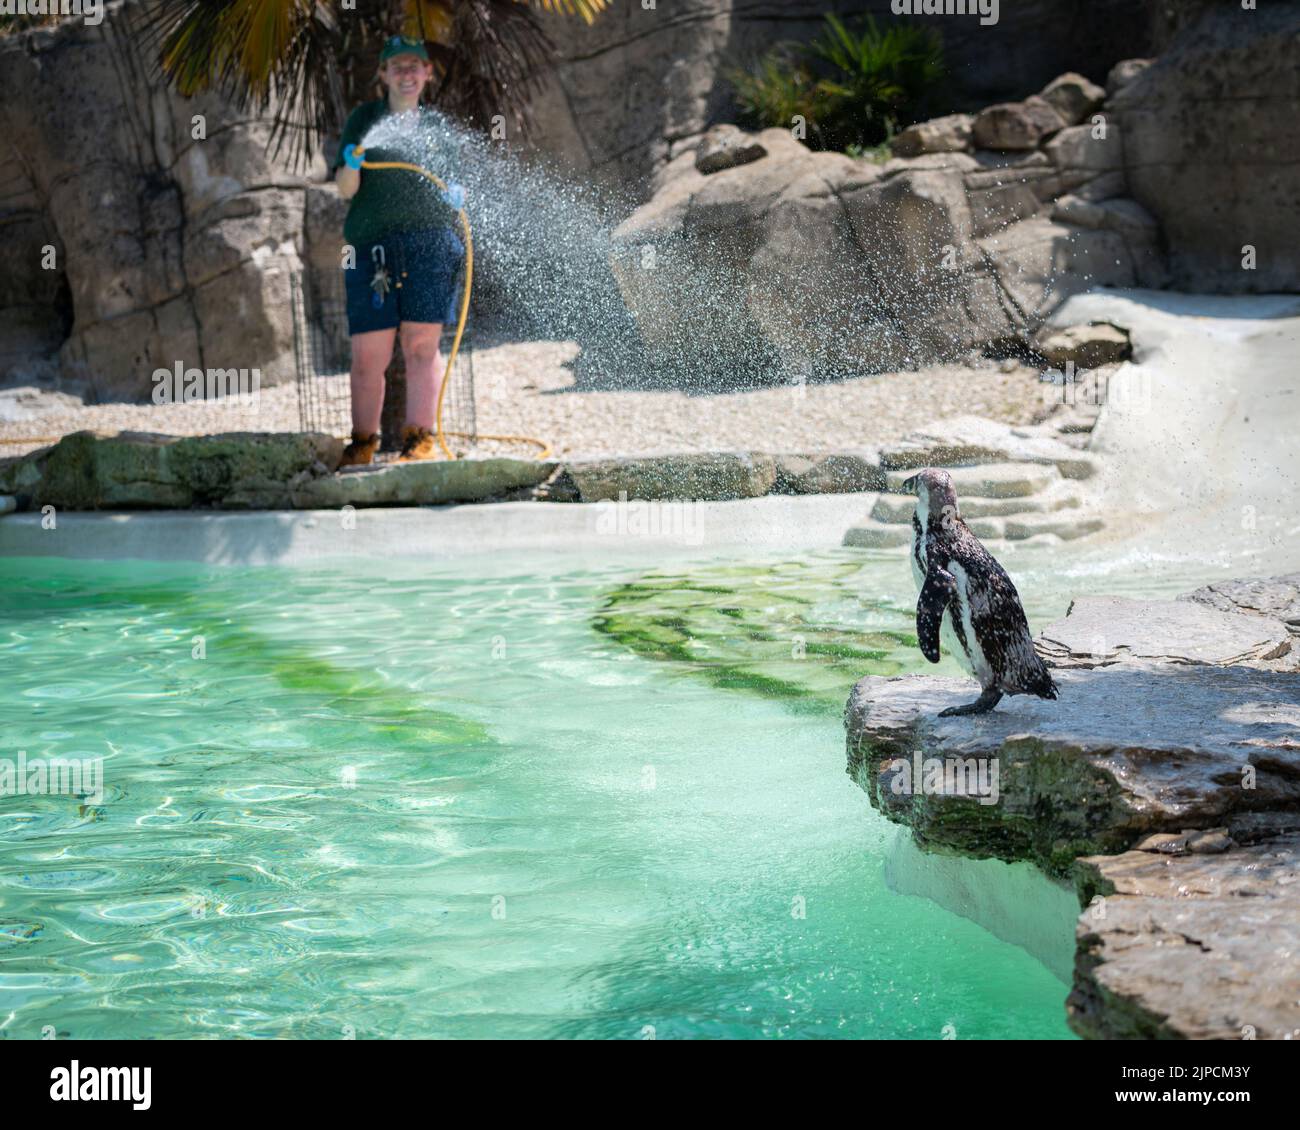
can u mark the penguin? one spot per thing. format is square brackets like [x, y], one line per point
[966, 596]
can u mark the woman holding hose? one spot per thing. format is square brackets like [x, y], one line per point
[403, 276]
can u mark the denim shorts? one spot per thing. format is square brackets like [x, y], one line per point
[424, 272]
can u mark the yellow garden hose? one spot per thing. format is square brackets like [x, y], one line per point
[460, 325]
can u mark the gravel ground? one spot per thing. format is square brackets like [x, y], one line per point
[528, 388]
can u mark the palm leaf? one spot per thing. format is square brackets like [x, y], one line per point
[587, 10]
[302, 62]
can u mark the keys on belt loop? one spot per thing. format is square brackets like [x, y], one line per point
[380, 281]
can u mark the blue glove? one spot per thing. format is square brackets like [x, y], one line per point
[455, 196]
[351, 157]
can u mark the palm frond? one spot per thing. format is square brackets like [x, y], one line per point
[586, 10]
[304, 60]
[500, 58]
[854, 83]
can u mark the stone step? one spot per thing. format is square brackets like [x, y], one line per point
[870, 534]
[988, 529]
[990, 480]
[1065, 527]
[964, 441]
[898, 509]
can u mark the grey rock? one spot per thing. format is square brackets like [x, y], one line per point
[137, 470]
[1039, 263]
[1167, 843]
[423, 483]
[1123, 753]
[995, 207]
[1127, 217]
[1213, 842]
[1087, 148]
[725, 147]
[1101, 630]
[1073, 97]
[698, 477]
[949, 134]
[988, 529]
[1277, 598]
[1103, 186]
[634, 88]
[899, 509]
[176, 251]
[1123, 73]
[1232, 79]
[751, 267]
[1016, 125]
[1088, 346]
[828, 473]
[1198, 947]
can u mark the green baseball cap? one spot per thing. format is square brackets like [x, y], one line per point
[403, 45]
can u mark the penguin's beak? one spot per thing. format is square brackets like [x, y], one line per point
[909, 485]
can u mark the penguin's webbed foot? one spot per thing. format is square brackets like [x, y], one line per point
[982, 705]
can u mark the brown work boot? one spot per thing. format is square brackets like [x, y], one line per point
[360, 451]
[417, 443]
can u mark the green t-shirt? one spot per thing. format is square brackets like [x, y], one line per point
[398, 200]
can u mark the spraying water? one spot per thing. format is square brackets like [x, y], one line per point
[729, 300]
[542, 241]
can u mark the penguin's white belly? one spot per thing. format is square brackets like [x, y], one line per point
[972, 655]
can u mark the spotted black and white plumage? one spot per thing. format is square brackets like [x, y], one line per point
[967, 602]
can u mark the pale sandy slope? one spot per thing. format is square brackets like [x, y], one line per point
[1200, 438]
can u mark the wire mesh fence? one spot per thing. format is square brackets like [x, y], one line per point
[322, 358]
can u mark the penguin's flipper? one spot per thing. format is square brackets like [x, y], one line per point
[938, 589]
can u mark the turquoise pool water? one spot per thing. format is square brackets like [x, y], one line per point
[400, 802]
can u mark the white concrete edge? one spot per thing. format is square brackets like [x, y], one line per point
[578, 530]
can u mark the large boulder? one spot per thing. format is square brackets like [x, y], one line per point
[803, 262]
[168, 246]
[1211, 130]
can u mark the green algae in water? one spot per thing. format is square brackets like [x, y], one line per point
[790, 631]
